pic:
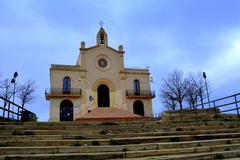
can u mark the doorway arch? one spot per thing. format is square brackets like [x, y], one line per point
[138, 108]
[103, 96]
[66, 110]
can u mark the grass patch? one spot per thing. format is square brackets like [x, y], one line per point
[109, 123]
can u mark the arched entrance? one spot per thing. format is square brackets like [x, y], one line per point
[66, 110]
[103, 96]
[138, 108]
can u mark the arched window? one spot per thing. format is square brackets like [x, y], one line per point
[101, 38]
[66, 85]
[136, 87]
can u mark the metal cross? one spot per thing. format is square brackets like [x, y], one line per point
[101, 23]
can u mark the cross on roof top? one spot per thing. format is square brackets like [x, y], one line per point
[101, 23]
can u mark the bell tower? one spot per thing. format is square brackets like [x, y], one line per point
[102, 39]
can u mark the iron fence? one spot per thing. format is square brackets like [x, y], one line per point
[59, 91]
[226, 105]
[140, 93]
[11, 111]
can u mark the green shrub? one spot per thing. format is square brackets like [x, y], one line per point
[125, 149]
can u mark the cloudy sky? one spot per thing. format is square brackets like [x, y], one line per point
[189, 35]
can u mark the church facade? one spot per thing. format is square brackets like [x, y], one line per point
[98, 80]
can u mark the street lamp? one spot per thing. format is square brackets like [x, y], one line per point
[14, 82]
[205, 77]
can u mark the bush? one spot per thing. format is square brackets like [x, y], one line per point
[125, 149]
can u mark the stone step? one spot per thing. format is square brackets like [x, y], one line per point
[116, 148]
[31, 135]
[110, 125]
[119, 141]
[115, 130]
[199, 153]
[218, 155]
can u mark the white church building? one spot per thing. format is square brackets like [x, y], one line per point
[98, 85]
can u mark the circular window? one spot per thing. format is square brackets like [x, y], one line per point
[103, 62]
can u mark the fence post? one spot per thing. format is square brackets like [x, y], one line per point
[214, 105]
[8, 109]
[235, 98]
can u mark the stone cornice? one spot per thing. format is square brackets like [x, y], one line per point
[89, 48]
[67, 68]
[135, 71]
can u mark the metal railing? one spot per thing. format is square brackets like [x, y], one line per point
[11, 111]
[140, 93]
[226, 105]
[60, 91]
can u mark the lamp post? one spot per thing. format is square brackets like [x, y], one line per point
[14, 87]
[205, 77]
[14, 82]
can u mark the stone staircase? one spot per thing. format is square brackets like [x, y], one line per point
[142, 139]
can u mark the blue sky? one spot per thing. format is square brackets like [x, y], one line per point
[189, 35]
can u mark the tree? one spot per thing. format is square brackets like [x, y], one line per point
[26, 92]
[192, 92]
[6, 89]
[168, 100]
[200, 86]
[175, 85]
